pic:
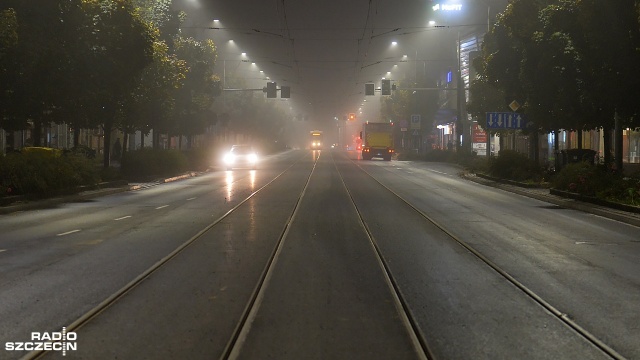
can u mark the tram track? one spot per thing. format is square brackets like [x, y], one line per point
[131, 285]
[561, 316]
[422, 351]
[243, 326]
[413, 328]
[420, 343]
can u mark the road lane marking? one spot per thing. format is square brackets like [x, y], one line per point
[122, 218]
[189, 199]
[161, 207]
[68, 232]
[1, 250]
[91, 242]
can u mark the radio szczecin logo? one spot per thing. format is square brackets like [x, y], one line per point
[44, 341]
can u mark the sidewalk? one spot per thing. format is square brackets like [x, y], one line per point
[544, 194]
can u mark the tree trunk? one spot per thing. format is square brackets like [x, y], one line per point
[156, 140]
[579, 138]
[141, 139]
[608, 158]
[617, 143]
[556, 150]
[76, 136]
[10, 140]
[107, 144]
[36, 133]
[125, 146]
[534, 152]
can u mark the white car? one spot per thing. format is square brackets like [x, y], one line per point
[241, 156]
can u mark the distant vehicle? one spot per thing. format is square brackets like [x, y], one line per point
[316, 140]
[241, 156]
[377, 141]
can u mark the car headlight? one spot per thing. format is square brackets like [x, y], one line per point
[229, 158]
[253, 158]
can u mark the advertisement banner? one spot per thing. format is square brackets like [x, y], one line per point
[479, 135]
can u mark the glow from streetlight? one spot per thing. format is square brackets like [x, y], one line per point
[394, 43]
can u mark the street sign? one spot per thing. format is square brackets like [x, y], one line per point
[505, 120]
[416, 133]
[415, 121]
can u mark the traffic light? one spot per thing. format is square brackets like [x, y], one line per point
[285, 92]
[272, 91]
[352, 116]
[386, 87]
[369, 89]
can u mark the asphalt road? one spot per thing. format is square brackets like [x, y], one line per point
[319, 255]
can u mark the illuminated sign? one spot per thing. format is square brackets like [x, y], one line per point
[447, 7]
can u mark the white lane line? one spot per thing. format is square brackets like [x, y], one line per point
[68, 232]
[161, 207]
[1, 250]
[122, 218]
[189, 199]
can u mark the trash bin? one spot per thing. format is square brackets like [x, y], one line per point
[572, 156]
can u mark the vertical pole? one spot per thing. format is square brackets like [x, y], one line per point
[488, 18]
[617, 143]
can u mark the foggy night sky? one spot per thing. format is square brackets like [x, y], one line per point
[326, 50]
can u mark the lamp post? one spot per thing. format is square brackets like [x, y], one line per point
[462, 126]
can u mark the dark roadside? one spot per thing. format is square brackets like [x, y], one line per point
[624, 213]
[24, 203]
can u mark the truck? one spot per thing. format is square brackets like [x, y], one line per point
[377, 141]
[316, 142]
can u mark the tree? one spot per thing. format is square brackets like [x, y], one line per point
[555, 56]
[37, 62]
[122, 46]
[151, 103]
[194, 99]
[8, 46]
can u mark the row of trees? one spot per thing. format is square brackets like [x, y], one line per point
[115, 64]
[572, 64]
[110, 64]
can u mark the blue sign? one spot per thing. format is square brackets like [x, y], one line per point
[505, 120]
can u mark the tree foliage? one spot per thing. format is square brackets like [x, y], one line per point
[571, 63]
[115, 64]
